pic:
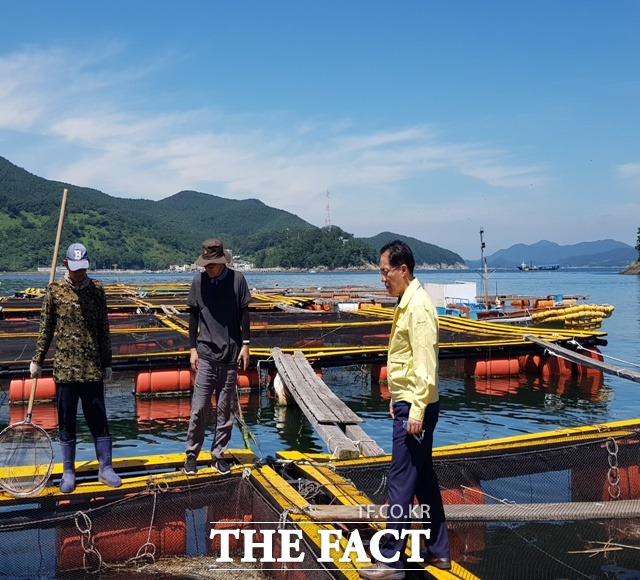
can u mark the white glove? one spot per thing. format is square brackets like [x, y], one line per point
[35, 370]
[107, 373]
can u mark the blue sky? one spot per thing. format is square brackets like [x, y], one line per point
[429, 119]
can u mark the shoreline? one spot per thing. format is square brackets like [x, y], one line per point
[243, 270]
[633, 268]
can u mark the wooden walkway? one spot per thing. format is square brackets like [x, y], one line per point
[335, 422]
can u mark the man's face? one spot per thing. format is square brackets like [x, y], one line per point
[214, 270]
[76, 275]
[391, 277]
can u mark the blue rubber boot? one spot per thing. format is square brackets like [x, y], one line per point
[68, 481]
[105, 472]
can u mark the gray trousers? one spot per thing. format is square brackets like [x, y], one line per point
[219, 379]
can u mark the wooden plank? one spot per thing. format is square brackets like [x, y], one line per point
[340, 446]
[367, 446]
[329, 399]
[308, 392]
[303, 393]
[583, 360]
[337, 442]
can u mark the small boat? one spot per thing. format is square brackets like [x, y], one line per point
[530, 267]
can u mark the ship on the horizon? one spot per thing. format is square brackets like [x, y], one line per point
[530, 266]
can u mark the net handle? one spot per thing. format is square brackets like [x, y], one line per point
[63, 205]
[32, 398]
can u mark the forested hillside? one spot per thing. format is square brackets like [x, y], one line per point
[131, 233]
[143, 234]
[426, 255]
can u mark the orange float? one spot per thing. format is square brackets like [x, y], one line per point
[118, 539]
[366, 305]
[309, 343]
[493, 367]
[162, 381]
[248, 379]
[379, 373]
[469, 494]
[593, 354]
[235, 544]
[554, 366]
[137, 347]
[547, 366]
[531, 363]
[621, 483]
[385, 393]
[20, 389]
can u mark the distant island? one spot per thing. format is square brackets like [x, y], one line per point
[597, 254]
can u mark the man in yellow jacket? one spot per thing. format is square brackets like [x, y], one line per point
[412, 371]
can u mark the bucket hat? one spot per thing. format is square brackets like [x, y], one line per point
[213, 252]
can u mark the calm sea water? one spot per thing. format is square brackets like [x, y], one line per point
[141, 427]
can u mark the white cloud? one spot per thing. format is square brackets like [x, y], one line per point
[630, 172]
[82, 106]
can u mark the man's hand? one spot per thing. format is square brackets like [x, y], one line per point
[391, 410]
[193, 360]
[35, 370]
[414, 427]
[243, 357]
[107, 374]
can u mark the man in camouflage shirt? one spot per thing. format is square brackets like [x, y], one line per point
[74, 312]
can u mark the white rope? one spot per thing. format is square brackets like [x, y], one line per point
[282, 520]
[620, 360]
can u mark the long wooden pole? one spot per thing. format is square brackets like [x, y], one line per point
[54, 263]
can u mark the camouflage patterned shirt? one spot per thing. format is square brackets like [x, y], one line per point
[78, 322]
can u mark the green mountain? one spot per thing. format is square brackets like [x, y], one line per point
[144, 234]
[131, 233]
[426, 255]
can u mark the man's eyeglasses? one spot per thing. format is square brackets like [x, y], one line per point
[384, 272]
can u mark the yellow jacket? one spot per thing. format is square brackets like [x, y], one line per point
[412, 364]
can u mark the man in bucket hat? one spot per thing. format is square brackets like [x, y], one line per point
[219, 340]
[74, 312]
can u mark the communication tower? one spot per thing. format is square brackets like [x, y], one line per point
[327, 214]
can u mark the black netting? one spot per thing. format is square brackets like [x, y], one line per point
[126, 532]
[576, 470]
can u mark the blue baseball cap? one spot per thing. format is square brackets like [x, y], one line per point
[77, 257]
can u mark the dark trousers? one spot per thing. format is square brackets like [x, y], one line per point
[411, 474]
[219, 379]
[92, 396]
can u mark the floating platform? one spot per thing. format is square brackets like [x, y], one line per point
[149, 330]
